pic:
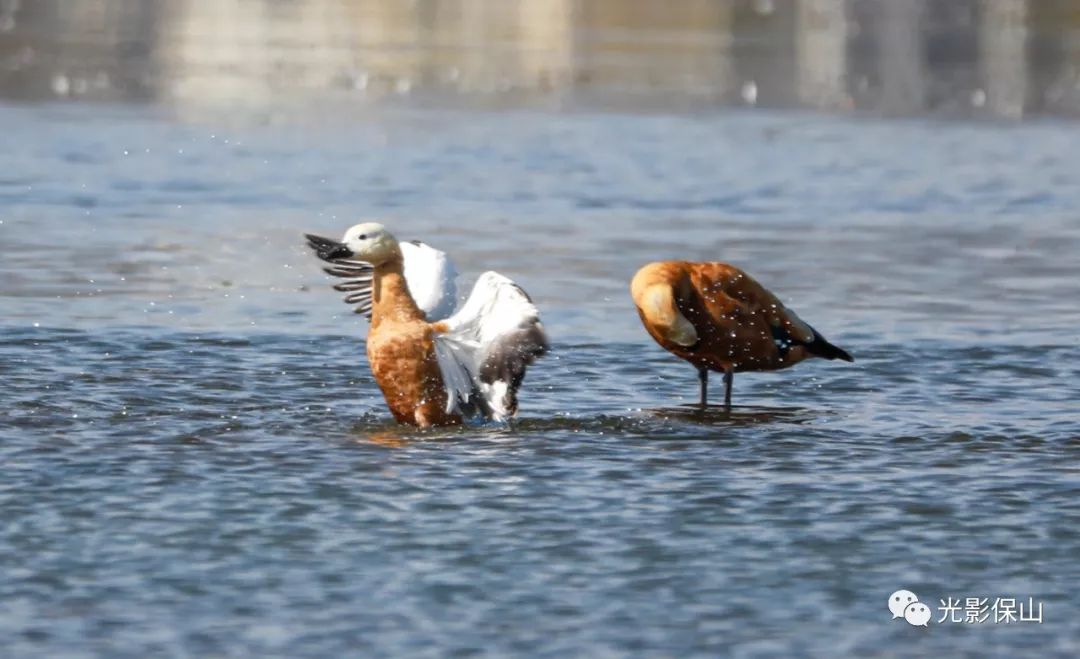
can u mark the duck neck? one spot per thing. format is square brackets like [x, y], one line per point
[390, 295]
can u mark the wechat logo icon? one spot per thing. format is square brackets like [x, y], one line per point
[905, 604]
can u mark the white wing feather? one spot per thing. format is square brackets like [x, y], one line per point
[487, 346]
[430, 276]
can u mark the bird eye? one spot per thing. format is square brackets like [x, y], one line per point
[362, 236]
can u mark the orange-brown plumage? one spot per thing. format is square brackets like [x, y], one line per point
[719, 318]
[401, 351]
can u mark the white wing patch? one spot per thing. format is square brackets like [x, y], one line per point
[487, 346]
[431, 279]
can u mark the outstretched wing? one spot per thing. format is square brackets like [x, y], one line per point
[429, 274]
[484, 349]
[358, 275]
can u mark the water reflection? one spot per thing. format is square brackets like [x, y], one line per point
[738, 415]
[1003, 58]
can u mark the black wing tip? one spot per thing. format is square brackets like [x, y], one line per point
[357, 272]
[511, 359]
[821, 347]
[325, 249]
[358, 298]
[348, 271]
[543, 345]
[841, 354]
[315, 241]
[360, 284]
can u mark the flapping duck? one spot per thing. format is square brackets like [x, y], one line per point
[471, 363]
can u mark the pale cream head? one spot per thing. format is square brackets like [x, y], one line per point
[371, 242]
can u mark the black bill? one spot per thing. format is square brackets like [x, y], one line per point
[327, 249]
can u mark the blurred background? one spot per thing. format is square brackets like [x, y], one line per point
[999, 58]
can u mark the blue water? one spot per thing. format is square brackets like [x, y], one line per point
[194, 459]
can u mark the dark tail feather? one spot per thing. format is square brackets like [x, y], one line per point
[822, 348]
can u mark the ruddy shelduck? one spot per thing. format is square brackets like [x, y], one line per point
[719, 318]
[435, 373]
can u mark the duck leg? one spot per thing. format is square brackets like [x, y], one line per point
[729, 379]
[703, 378]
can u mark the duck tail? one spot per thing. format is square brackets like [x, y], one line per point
[822, 348]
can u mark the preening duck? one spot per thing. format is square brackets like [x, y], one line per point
[435, 373]
[719, 318]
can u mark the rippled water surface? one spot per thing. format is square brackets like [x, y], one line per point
[195, 461]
